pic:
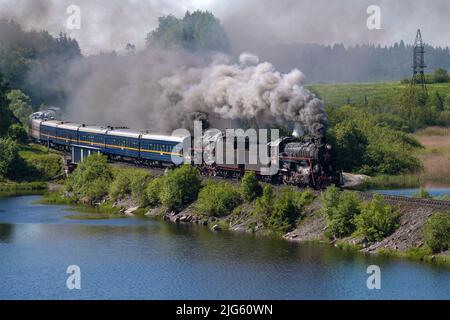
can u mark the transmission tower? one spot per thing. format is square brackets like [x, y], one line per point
[419, 63]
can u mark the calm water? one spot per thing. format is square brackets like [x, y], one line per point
[144, 259]
[434, 192]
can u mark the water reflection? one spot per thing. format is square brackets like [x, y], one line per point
[6, 232]
[149, 259]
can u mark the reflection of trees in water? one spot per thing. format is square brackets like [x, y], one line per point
[193, 242]
[6, 232]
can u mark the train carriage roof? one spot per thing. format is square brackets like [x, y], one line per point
[51, 123]
[69, 125]
[164, 138]
[93, 129]
[126, 133]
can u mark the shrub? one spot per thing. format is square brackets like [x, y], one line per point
[250, 187]
[440, 76]
[376, 219]
[180, 186]
[437, 232]
[18, 133]
[340, 209]
[9, 157]
[91, 179]
[422, 193]
[264, 204]
[153, 191]
[287, 208]
[218, 199]
[138, 183]
[120, 187]
[44, 166]
[130, 181]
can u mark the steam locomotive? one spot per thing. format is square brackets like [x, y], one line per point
[301, 161]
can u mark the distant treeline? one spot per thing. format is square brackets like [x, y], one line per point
[360, 63]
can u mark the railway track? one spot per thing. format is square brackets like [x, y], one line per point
[418, 201]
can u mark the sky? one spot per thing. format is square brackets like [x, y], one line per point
[251, 24]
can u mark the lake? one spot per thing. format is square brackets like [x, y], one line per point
[434, 192]
[140, 258]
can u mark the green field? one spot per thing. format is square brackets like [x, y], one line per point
[383, 93]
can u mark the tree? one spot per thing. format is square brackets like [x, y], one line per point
[250, 187]
[9, 157]
[350, 144]
[340, 210]
[179, 187]
[376, 220]
[19, 104]
[218, 199]
[196, 31]
[440, 76]
[6, 115]
[91, 179]
[437, 232]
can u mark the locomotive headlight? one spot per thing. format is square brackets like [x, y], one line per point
[328, 146]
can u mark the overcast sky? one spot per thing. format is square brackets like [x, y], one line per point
[250, 24]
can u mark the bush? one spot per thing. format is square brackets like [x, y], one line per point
[153, 191]
[120, 187]
[9, 157]
[130, 181]
[218, 199]
[17, 133]
[250, 187]
[340, 210]
[264, 204]
[440, 76]
[45, 167]
[138, 183]
[437, 232]
[91, 179]
[287, 208]
[179, 187]
[422, 193]
[376, 219]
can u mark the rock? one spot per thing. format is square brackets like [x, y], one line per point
[129, 211]
[216, 227]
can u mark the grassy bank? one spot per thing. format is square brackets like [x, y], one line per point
[392, 182]
[436, 155]
[384, 93]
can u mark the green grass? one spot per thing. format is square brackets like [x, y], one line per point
[58, 198]
[384, 93]
[422, 254]
[25, 186]
[392, 182]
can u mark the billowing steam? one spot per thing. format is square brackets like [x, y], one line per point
[161, 90]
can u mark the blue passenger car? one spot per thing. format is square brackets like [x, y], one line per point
[67, 133]
[168, 149]
[92, 137]
[49, 132]
[122, 143]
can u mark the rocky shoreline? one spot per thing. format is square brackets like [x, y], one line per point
[312, 227]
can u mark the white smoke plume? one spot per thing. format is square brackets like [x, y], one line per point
[158, 90]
